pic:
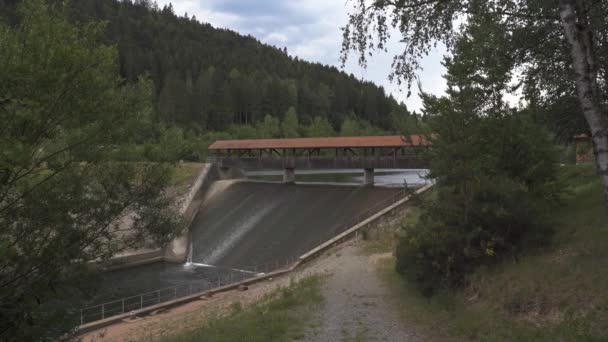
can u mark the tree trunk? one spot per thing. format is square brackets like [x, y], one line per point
[577, 32]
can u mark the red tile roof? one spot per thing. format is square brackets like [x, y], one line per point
[307, 143]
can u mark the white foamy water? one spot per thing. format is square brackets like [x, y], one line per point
[382, 177]
[198, 264]
[236, 234]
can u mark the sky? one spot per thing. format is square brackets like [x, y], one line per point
[310, 29]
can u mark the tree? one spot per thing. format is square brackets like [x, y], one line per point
[495, 174]
[269, 128]
[319, 127]
[349, 128]
[203, 95]
[173, 101]
[177, 52]
[64, 112]
[406, 123]
[559, 47]
[290, 125]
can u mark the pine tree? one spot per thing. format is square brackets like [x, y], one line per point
[290, 125]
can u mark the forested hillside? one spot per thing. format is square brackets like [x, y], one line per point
[207, 79]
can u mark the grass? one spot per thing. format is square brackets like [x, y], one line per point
[184, 173]
[559, 293]
[384, 239]
[281, 316]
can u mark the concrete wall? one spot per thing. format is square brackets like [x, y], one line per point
[188, 206]
[177, 250]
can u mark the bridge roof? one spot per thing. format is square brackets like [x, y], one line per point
[308, 143]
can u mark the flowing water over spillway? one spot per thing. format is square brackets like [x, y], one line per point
[243, 225]
[255, 223]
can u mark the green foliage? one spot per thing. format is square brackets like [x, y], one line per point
[505, 40]
[290, 125]
[514, 35]
[355, 127]
[212, 77]
[65, 114]
[243, 132]
[554, 293]
[349, 128]
[279, 317]
[495, 178]
[405, 123]
[319, 127]
[495, 174]
[269, 128]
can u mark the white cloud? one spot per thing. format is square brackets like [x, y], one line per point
[276, 38]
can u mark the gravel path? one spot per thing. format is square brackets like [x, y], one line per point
[357, 305]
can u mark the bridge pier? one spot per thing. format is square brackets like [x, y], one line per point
[368, 176]
[289, 176]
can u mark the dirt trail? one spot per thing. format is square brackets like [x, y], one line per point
[357, 305]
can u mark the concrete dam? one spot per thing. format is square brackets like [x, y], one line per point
[255, 223]
[243, 225]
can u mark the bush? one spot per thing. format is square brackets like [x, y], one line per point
[442, 246]
[495, 183]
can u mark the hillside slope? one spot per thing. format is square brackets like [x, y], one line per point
[208, 78]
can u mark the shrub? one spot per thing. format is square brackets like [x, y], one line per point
[442, 246]
[495, 183]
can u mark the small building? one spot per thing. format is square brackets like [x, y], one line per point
[584, 149]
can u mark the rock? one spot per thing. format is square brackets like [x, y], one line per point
[243, 287]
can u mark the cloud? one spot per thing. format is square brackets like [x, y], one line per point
[310, 29]
[276, 38]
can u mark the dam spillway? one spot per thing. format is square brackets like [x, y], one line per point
[253, 223]
[244, 224]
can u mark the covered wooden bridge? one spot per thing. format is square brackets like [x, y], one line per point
[367, 153]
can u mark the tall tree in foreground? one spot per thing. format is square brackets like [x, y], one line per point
[64, 111]
[560, 47]
[494, 170]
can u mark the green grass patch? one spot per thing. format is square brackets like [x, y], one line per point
[558, 293]
[281, 316]
[384, 240]
[184, 173]
[377, 242]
